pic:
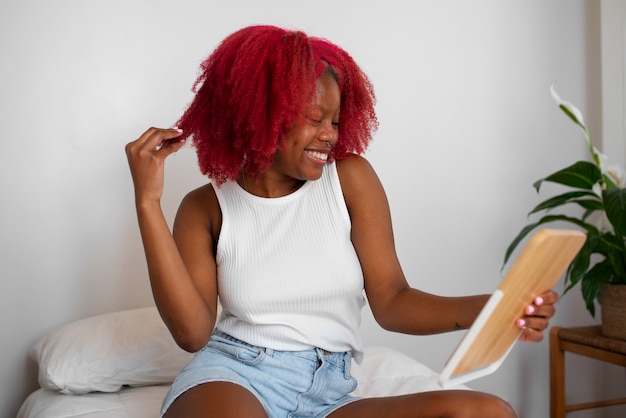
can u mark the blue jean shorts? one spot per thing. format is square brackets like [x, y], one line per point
[289, 384]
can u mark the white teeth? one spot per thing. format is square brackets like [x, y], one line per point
[318, 155]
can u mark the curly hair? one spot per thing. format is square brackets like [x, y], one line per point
[255, 85]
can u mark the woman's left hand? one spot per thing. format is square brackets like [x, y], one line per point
[537, 316]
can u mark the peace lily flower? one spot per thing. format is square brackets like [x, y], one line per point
[598, 189]
[616, 173]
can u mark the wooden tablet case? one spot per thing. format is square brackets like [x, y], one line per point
[538, 268]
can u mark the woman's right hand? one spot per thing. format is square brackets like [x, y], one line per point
[146, 156]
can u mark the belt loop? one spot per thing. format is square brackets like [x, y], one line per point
[320, 355]
[347, 365]
[269, 351]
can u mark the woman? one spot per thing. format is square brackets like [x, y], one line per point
[292, 234]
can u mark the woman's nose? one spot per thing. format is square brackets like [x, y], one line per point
[328, 133]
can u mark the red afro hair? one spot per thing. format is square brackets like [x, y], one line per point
[255, 85]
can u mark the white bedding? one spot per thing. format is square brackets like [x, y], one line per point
[140, 402]
[120, 365]
[383, 372]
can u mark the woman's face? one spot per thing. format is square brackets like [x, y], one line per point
[306, 146]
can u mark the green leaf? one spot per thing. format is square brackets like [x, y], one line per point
[604, 271]
[618, 263]
[546, 219]
[581, 175]
[596, 277]
[587, 213]
[570, 197]
[522, 234]
[615, 206]
[579, 265]
[590, 205]
[609, 243]
[584, 225]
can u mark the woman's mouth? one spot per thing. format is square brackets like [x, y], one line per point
[317, 155]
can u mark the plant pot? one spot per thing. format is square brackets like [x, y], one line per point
[613, 304]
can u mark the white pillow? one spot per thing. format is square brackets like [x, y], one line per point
[105, 352]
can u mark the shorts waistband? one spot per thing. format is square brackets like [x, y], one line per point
[270, 351]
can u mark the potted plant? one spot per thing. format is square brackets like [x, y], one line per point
[597, 188]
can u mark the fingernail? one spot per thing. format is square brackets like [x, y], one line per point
[176, 128]
[538, 301]
[530, 309]
[521, 323]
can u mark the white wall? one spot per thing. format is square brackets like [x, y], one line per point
[613, 33]
[467, 124]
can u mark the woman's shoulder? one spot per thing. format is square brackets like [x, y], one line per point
[201, 196]
[201, 206]
[354, 170]
[356, 175]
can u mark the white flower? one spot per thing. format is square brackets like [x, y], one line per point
[570, 107]
[616, 173]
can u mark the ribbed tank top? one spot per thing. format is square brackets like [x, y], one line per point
[288, 275]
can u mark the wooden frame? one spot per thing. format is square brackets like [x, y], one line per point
[559, 344]
[493, 334]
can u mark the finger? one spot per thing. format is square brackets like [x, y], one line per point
[532, 329]
[543, 305]
[531, 335]
[547, 298]
[173, 140]
[546, 311]
[153, 138]
[533, 322]
[170, 146]
[163, 137]
[142, 138]
[133, 145]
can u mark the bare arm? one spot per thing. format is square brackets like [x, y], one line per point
[185, 296]
[395, 305]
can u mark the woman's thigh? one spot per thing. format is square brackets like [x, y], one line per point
[448, 403]
[216, 399]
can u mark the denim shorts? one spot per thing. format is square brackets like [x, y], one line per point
[289, 384]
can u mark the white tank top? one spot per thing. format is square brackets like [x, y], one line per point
[288, 275]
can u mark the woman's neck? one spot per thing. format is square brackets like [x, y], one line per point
[269, 186]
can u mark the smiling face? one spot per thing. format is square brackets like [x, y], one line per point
[305, 147]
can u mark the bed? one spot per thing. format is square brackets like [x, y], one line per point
[120, 365]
